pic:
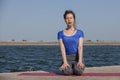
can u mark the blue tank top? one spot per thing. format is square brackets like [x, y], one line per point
[71, 42]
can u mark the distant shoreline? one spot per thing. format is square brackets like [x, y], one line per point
[26, 43]
[56, 43]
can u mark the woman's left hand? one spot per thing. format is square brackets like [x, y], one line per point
[80, 65]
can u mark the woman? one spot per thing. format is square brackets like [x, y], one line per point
[71, 45]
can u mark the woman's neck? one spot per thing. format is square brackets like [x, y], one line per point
[71, 28]
[69, 31]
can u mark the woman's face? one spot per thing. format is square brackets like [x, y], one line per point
[69, 20]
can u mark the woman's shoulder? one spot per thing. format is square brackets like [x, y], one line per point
[79, 31]
[60, 32]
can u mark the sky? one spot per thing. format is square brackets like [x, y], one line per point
[40, 20]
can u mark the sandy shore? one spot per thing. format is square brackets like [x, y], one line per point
[55, 43]
[27, 43]
[105, 69]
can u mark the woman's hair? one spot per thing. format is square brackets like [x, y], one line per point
[67, 12]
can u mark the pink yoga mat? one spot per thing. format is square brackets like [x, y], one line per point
[55, 74]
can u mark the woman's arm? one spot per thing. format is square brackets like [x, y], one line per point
[62, 48]
[65, 64]
[80, 53]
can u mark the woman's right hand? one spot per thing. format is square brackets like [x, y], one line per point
[64, 66]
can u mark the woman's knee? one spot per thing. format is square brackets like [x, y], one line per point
[78, 70]
[68, 71]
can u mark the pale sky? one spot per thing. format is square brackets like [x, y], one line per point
[36, 20]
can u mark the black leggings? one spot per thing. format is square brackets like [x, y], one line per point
[73, 69]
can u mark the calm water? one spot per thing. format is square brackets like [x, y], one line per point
[48, 58]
